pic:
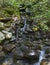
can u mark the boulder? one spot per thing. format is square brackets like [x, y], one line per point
[2, 56]
[8, 47]
[8, 35]
[32, 55]
[18, 54]
[2, 37]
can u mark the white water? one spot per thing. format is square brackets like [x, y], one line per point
[42, 53]
[23, 29]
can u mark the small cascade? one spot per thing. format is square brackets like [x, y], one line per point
[23, 29]
[42, 53]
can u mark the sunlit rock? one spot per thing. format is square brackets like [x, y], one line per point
[2, 56]
[32, 55]
[8, 35]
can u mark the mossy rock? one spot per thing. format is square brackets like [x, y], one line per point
[2, 37]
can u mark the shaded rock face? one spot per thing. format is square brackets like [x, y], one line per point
[2, 56]
[24, 52]
[8, 47]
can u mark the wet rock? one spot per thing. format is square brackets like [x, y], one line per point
[2, 37]
[32, 55]
[18, 54]
[8, 47]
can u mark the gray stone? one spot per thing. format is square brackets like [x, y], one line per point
[2, 37]
[18, 54]
[8, 47]
[9, 35]
[32, 55]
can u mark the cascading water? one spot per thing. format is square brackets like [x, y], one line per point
[23, 29]
[42, 53]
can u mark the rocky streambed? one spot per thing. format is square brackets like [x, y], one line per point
[20, 45]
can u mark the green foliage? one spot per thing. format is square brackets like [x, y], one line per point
[38, 9]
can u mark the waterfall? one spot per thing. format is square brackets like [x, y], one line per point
[42, 53]
[23, 29]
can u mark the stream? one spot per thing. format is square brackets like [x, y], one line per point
[41, 56]
[25, 24]
[25, 51]
[42, 52]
